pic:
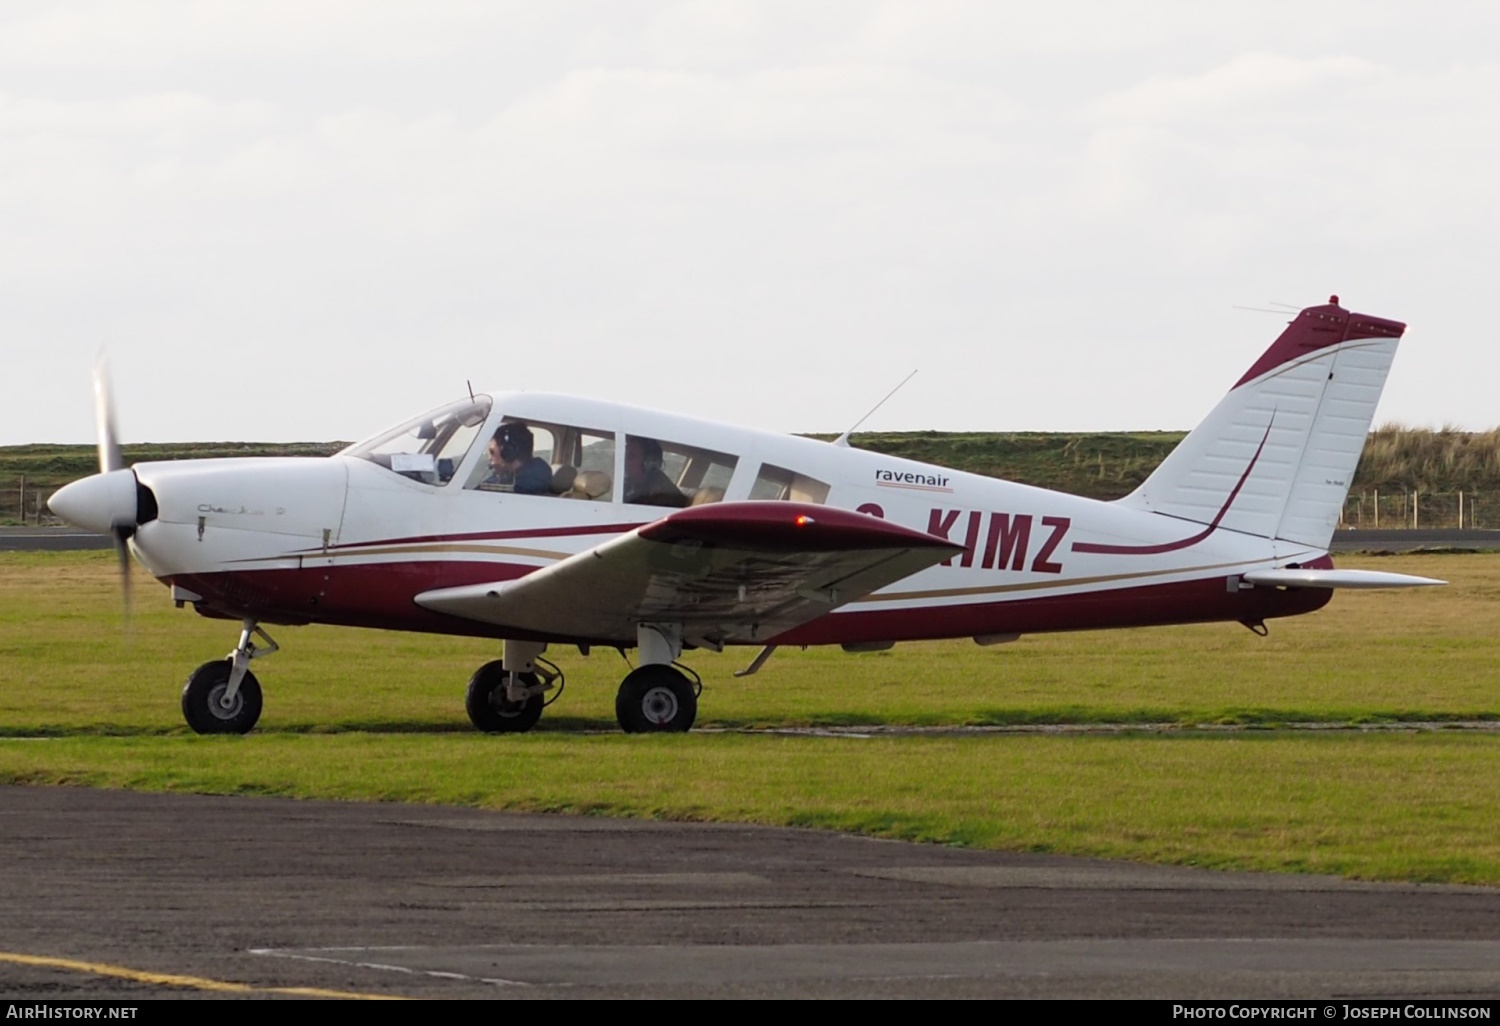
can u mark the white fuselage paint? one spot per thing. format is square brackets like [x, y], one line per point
[250, 516]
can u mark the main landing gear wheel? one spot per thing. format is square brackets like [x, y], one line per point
[493, 713]
[656, 699]
[203, 703]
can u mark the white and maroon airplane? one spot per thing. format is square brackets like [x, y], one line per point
[545, 519]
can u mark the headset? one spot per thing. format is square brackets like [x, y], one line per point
[516, 441]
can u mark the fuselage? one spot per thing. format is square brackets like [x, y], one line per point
[351, 539]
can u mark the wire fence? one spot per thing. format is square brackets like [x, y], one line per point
[23, 502]
[1414, 510]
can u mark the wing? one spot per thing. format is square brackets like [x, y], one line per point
[728, 572]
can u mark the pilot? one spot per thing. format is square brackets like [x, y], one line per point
[645, 482]
[513, 465]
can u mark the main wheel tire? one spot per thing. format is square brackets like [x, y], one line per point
[655, 699]
[489, 709]
[203, 701]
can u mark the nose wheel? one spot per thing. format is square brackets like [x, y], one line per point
[210, 708]
[223, 697]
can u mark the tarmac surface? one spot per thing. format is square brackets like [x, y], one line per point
[119, 895]
[51, 539]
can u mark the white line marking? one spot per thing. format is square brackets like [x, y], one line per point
[273, 953]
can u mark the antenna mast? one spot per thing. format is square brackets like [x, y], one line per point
[843, 440]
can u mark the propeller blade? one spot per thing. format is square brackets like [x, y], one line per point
[111, 460]
[121, 535]
[104, 419]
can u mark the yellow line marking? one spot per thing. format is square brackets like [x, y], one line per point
[172, 980]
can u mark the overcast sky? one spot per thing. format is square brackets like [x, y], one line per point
[308, 220]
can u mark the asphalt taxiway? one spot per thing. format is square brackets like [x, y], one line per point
[120, 895]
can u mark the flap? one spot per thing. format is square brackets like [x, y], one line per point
[728, 572]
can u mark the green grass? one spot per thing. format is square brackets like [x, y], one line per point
[1414, 807]
[67, 665]
[372, 715]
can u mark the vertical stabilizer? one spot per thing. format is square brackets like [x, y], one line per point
[1275, 458]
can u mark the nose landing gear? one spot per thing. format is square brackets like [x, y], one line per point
[223, 696]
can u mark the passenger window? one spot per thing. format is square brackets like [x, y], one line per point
[781, 484]
[533, 458]
[659, 472]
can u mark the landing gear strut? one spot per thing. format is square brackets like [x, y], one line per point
[223, 696]
[507, 696]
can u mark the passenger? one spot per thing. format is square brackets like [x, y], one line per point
[513, 467]
[645, 482]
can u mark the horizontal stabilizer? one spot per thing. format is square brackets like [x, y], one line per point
[1336, 579]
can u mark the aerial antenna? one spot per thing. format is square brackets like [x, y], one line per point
[843, 440]
[471, 389]
[1275, 307]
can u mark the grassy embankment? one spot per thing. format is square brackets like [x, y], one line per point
[353, 714]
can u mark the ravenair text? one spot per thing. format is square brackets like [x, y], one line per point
[912, 479]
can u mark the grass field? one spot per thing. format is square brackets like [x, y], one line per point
[352, 714]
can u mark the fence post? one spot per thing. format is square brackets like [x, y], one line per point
[1460, 509]
[1377, 509]
[21, 509]
[1415, 496]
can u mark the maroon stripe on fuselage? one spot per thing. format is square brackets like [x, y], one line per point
[1151, 605]
[540, 532]
[381, 596]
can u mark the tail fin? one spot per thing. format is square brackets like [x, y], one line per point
[1275, 458]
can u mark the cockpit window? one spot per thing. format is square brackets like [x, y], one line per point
[530, 457]
[430, 447]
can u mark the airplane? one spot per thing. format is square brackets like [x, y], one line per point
[543, 520]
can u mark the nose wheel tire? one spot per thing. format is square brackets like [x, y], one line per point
[203, 704]
[656, 699]
[489, 709]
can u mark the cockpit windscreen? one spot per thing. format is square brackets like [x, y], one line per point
[431, 447]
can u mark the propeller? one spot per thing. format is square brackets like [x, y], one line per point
[113, 501]
[120, 528]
